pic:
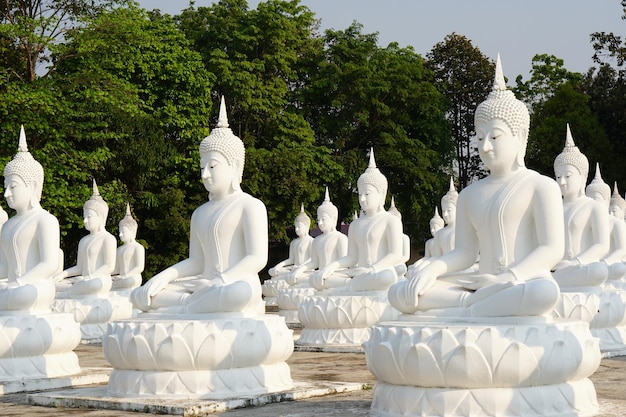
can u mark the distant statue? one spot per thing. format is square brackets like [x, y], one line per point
[228, 240]
[30, 239]
[130, 259]
[587, 237]
[326, 248]
[91, 276]
[616, 256]
[436, 224]
[513, 218]
[299, 248]
[375, 242]
[406, 240]
[444, 239]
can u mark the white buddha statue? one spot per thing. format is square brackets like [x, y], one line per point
[228, 241]
[30, 239]
[511, 217]
[436, 224]
[406, 240]
[95, 261]
[601, 192]
[130, 259]
[444, 239]
[587, 237]
[299, 248]
[326, 247]
[375, 242]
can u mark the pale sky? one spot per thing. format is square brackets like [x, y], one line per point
[514, 28]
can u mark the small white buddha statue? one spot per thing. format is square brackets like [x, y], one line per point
[587, 238]
[436, 224]
[327, 247]
[228, 240]
[375, 242]
[513, 218]
[299, 248]
[130, 259]
[30, 239]
[95, 260]
[444, 239]
[406, 240]
[617, 253]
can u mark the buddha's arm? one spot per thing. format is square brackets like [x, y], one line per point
[547, 212]
[254, 226]
[4, 268]
[619, 242]
[138, 260]
[48, 238]
[108, 258]
[601, 237]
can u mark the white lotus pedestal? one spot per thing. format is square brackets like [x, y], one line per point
[342, 319]
[461, 367]
[95, 313]
[270, 290]
[605, 311]
[288, 301]
[211, 356]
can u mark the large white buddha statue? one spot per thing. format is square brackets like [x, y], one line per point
[204, 333]
[587, 237]
[508, 217]
[484, 343]
[34, 342]
[375, 242]
[91, 276]
[326, 247]
[601, 192]
[436, 224]
[130, 259]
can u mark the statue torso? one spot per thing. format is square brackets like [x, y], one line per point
[578, 225]
[329, 247]
[371, 235]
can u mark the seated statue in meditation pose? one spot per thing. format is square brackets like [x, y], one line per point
[326, 248]
[436, 224]
[444, 239]
[513, 218]
[406, 240]
[587, 237]
[227, 244]
[299, 248]
[375, 242]
[29, 240]
[91, 276]
[130, 259]
[614, 259]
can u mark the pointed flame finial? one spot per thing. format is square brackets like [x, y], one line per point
[222, 120]
[498, 81]
[128, 210]
[615, 191]
[598, 176]
[95, 188]
[22, 146]
[393, 203]
[326, 195]
[301, 207]
[569, 139]
[372, 162]
[436, 212]
[452, 188]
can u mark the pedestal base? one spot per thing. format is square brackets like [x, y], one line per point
[479, 367]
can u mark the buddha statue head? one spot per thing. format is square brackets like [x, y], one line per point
[448, 203]
[327, 214]
[370, 182]
[223, 141]
[501, 104]
[127, 226]
[25, 169]
[97, 204]
[617, 206]
[436, 223]
[598, 189]
[302, 222]
[393, 210]
[571, 157]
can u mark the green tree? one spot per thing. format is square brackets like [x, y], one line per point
[361, 96]
[464, 76]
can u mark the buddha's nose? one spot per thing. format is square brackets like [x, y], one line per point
[205, 172]
[485, 145]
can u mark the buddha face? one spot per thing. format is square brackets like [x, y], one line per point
[325, 222]
[217, 175]
[301, 229]
[92, 220]
[616, 211]
[448, 212]
[497, 146]
[435, 227]
[570, 180]
[127, 234]
[369, 199]
[17, 193]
